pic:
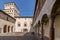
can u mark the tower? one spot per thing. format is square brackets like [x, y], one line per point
[11, 9]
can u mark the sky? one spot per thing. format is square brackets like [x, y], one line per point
[26, 7]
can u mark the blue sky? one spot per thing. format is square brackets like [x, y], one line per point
[26, 7]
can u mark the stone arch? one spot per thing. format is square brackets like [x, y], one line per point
[45, 26]
[57, 27]
[55, 14]
[44, 18]
[8, 28]
[55, 9]
[5, 29]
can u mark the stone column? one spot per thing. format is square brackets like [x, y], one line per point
[7, 29]
[52, 29]
[13, 28]
[38, 31]
[2, 30]
[49, 27]
[42, 30]
[10, 29]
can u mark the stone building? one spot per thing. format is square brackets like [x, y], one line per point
[11, 9]
[23, 24]
[46, 20]
[11, 23]
[6, 23]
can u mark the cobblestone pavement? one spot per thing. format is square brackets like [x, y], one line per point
[25, 37]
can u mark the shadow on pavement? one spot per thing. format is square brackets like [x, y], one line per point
[27, 36]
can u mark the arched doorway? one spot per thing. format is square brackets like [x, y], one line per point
[55, 25]
[25, 30]
[5, 29]
[45, 27]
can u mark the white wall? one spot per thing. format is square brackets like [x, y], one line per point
[22, 21]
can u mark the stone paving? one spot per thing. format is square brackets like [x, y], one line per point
[25, 37]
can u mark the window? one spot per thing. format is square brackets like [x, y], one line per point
[10, 7]
[25, 25]
[18, 24]
[12, 29]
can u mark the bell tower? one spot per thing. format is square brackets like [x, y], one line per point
[11, 9]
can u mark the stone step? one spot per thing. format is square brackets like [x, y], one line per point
[12, 34]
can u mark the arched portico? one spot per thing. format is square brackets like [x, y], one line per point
[45, 26]
[5, 29]
[8, 29]
[55, 23]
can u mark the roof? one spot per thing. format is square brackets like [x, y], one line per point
[6, 14]
[23, 17]
[35, 6]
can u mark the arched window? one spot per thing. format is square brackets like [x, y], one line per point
[5, 28]
[25, 24]
[18, 24]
